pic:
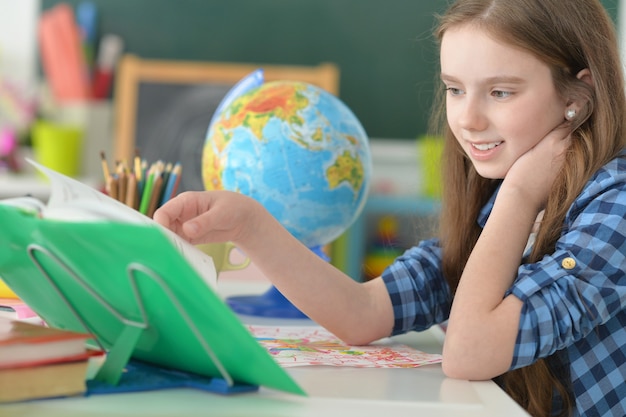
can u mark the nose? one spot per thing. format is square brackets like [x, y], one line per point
[471, 114]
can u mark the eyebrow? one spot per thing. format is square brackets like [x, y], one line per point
[509, 79]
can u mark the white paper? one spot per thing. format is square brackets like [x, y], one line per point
[71, 200]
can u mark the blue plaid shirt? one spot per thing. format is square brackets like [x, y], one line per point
[574, 300]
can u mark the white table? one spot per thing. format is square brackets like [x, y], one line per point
[332, 391]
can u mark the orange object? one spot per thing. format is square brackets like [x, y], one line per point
[5, 291]
[384, 250]
[61, 55]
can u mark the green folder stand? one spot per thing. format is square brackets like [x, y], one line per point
[131, 288]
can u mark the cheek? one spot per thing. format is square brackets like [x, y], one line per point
[531, 123]
[452, 119]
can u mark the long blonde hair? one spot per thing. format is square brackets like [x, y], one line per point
[567, 35]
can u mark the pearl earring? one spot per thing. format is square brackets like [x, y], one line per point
[569, 115]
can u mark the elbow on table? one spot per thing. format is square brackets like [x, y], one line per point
[475, 355]
[461, 367]
[355, 337]
[452, 370]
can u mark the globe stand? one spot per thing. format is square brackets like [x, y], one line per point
[271, 303]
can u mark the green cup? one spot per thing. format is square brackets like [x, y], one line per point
[220, 253]
[58, 147]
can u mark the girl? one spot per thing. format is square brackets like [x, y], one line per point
[534, 147]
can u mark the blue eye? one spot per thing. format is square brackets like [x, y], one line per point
[454, 91]
[501, 94]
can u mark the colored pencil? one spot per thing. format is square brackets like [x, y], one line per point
[131, 191]
[137, 165]
[155, 194]
[122, 181]
[113, 186]
[172, 181]
[147, 190]
[105, 171]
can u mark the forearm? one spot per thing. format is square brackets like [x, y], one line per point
[324, 293]
[357, 313]
[483, 324]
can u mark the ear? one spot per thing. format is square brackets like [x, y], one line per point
[574, 106]
[585, 76]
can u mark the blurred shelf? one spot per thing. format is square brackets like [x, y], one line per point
[348, 252]
[390, 204]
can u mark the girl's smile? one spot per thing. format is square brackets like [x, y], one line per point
[482, 151]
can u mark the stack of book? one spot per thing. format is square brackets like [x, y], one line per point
[41, 362]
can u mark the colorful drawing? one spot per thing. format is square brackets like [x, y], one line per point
[309, 345]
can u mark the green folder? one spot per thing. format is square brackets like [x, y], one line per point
[131, 288]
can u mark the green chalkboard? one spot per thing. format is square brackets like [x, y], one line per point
[384, 48]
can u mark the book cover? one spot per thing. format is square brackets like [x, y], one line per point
[45, 381]
[24, 344]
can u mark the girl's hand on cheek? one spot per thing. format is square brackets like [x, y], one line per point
[535, 171]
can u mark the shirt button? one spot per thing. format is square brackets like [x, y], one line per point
[568, 263]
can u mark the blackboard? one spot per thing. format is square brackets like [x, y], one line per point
[172, 122]
[384, 48]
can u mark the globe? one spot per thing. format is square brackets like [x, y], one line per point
[296, 149]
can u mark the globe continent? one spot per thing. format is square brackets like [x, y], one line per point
[296, 149]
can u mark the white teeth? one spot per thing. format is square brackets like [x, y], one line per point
[485, 146]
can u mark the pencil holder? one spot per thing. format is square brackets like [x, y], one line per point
[58, 147]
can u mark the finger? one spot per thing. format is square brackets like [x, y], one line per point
[188, 214]
[176, 211]
[561, 132]
[162, 216]
[168, 214]
[195, 229]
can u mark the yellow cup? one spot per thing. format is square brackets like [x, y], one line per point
[221, 254]
[58, 147]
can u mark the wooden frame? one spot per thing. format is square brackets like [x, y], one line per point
[133, 70]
